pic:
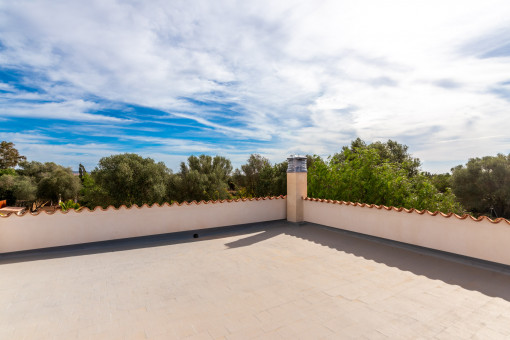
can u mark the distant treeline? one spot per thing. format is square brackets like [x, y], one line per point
[128, 179]
[376, 173]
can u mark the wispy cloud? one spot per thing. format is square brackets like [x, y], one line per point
[261, 76]
[74, 110]
[492, 44]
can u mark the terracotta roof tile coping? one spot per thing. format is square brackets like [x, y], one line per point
[400, 209]
[151, 206]
[421, 212]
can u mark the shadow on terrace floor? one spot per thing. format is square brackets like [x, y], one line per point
[262, 235]
[263, 230]
[489, 279]
[485, 277]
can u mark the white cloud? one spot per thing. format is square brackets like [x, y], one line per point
[72, 110]
[308, 76]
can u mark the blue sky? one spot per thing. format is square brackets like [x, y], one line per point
[80, 80]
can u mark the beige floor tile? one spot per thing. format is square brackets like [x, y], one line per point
[301, 282]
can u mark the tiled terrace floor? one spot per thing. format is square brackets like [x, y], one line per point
[273, 280]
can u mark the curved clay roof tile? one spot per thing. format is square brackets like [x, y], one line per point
[363, 205]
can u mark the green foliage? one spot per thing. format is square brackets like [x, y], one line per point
[58, 184]
[390, 152]
[7, 188]
[9, 156]
[128, 179]
[483, 185]
[25, 189]
[378, 173]
[81, 171]
[69, 204]
[202, 178]
[9, 171]
[279, 181]
[259, 178]
[365, 174]
[425, 195]
[35, 181]
[7, 182]
[440, 181]
[53, 181]
[91, 195]
[272, 180]
[252, 170]
[14, 187]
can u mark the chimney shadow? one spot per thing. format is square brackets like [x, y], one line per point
[491, 279]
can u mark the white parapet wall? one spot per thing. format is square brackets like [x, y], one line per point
[45, 230]
[464, 235]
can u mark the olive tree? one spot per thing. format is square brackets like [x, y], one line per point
[129, 179]
[202, 178]
[259, 178]
[483, 185]
[9, 156]
[53, 181]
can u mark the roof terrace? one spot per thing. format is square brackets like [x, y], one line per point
[268, 280]
[288, 267]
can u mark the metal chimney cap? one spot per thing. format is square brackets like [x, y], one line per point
[296, 163]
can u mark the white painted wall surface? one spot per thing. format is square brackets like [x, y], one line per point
[478, 239]
[44, 230]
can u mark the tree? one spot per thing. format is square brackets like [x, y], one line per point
[37, 170]
[25, 189]
[259, 178]
[91, 195]
[60, 184]
[9, 171]
[252, 170]
[272, 180]
[279, 182]
[9, 156]
[389, 152]
[54, 182]
[14, 187]
[7, 188]
[361, 174]
[250, 176]
[202, 178]
[440, 181]
[82, 172]
[130, 179]
[483, 185]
